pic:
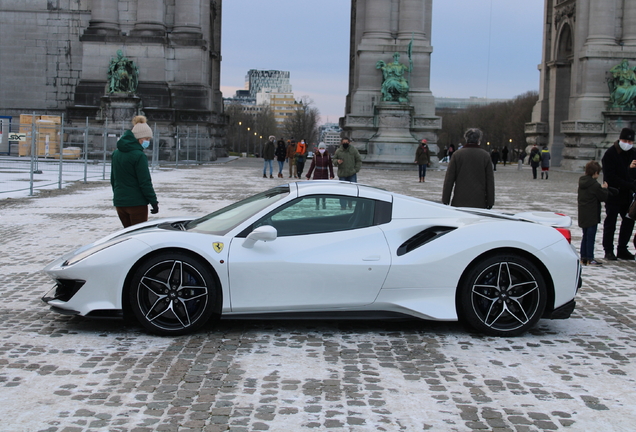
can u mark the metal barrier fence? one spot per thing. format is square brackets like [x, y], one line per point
[54, 153]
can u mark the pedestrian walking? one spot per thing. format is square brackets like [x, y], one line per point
[348, 161]
[281, 155]
[494, 157]
[451, 150]
[301, 154]
[269, 150]
[590, 195]
[504, 155]
[130, 176]
[422, 159]
[535, 160]
[545, 162]
[619, 171]
[469, 177]
[521, 157]
[291, 158]
[321, 164]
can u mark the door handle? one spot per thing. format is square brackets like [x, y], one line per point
[371, 258]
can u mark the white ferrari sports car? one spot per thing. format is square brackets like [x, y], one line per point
[327, 249]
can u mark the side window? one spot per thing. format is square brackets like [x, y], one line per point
[320, 214]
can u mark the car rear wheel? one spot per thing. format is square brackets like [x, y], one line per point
[173, 294]
[503, 295]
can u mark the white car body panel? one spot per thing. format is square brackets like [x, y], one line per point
[278, 276]
[348, 270]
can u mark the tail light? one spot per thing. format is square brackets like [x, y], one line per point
[566, 233]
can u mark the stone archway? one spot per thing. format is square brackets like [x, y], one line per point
[561, 73]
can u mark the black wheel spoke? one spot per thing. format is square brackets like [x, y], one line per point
[173, 295]
[505, 296]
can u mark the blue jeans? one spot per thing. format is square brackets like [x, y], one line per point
[587, 243]
[351, 178]
[280, 166]
[422, 169]
[271, 167]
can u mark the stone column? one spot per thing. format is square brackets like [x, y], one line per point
[187, 20]
[104, 18]
[629, 24]
[377, 20]
[150, 18]
[411, 20]
[601, 22]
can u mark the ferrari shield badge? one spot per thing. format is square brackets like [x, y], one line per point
[218, 247]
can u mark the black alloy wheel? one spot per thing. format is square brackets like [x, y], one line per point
[173, 294]
[504, 295]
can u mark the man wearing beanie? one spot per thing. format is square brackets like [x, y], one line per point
[619, 171]
[470, 173]
[130, 176]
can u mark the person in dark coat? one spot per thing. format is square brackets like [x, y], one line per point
[494, 156]
[321, 164]
[422, 159]
[281, 155]
[535, 160]
[130, 176]
[269, 152]
[504, 155]
[471, 176]
[590, 195]
[619, 171]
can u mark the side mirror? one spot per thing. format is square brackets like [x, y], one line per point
[262, 233]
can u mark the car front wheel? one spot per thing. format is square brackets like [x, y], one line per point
[503, 295]
[172, 294]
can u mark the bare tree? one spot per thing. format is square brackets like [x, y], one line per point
[303, 123]
[246, 131]
[502, 123]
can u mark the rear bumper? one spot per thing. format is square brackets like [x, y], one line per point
[562, 312]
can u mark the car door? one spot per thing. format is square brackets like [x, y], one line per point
[328, 254]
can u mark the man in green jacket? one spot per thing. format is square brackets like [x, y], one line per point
[347, 159]
[130, 176]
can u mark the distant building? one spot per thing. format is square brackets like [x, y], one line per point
[266, 89]
[274, 80]
[329, 133]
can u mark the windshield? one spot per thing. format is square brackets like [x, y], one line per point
[222, 221]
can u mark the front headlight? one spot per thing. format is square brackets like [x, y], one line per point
[90, 251]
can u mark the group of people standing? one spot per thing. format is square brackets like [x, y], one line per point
[294, 153]
[617, 191]
[346, 158]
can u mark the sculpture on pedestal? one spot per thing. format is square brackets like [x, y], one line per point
[395, 87]
[622, 87]
[123, 75]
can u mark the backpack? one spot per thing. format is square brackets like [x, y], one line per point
[536, 157]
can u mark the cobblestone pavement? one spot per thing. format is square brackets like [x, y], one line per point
[60, 373]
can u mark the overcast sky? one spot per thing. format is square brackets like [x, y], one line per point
[482, 48]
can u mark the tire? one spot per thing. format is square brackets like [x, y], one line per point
[502, 295]
[173, 294]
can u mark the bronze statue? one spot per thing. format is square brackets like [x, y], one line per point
[123, 75]
[622, 87]
[395, 87]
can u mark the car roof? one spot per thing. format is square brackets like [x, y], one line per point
[313, 187]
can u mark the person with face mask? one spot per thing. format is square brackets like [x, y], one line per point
[348, 160]
[619, 171]
[321, 164]
[130, 176]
